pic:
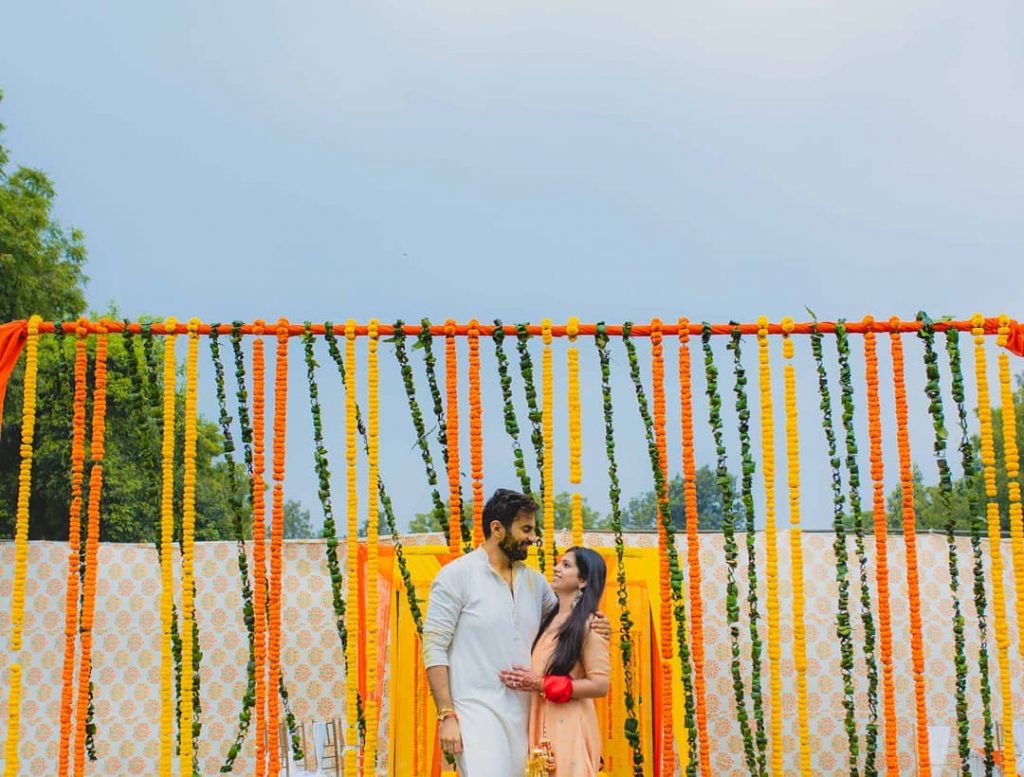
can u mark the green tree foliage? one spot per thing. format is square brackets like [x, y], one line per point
[640, 512]
[424, 522]
[297, 522]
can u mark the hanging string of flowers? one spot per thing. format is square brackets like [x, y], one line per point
[511, 423]
[276, 549]
[844, 630]
[166, 568]
[977, 528]
[988, 465]
[575, 429]
[74, 540]
[675, 574]
[934, 394]
[259, 545]
[732, 607]
[771, 548]
[631, 728]
[693, 545]
[867, 617]
[881, 549]
[476, 433]
[440, 511]
[28, 425]
[189, 759]
[425, 340]
[548, 424]
[1011, 456]
[536, 424]
[372, 542]
[351, 759]
[796, 549]
[747, 497]
[451, 382]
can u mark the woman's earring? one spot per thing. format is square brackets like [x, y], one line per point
[579, 595]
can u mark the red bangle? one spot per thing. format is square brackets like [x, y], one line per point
[558, 688]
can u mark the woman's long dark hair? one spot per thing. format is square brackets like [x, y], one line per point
[591, 568]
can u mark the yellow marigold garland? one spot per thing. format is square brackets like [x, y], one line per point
[881, 550]
[796, 549]
[575, 430]
[693, 543]
[988, 462]
[166, 556]
[74, 541]
[548, 424]
[910, 544]
[351, 559]
[372, 545]
[259, 544]
[1011, 454]
[476, 432]
[451, 384]
[28, 425]
[771, 547]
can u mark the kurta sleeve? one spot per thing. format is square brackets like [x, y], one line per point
[595, 659]
[550, 601]
[446, 602]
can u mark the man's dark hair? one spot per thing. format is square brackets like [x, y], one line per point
[504, 507]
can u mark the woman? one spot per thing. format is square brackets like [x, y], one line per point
[569, 669]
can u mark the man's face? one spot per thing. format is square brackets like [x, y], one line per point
[520, 536]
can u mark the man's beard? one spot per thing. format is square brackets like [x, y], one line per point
[514, 549]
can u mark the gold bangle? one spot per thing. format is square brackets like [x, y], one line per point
[446, 712]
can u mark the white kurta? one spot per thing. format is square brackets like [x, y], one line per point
[477, 626]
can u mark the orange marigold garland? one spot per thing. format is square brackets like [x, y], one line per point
[352, 613]
[166, 555]
[259, 543]
[451, 382]
[476, 432]
[188, 525]
[988, 462]
[771, 548]
[910, 543]
[693, 544]
[881, 550]
[74, 541]
[372, 544]
[575, 429]
[796, 550]
[548, 425]
[276, 540]
[28, 425]
[1011, 454]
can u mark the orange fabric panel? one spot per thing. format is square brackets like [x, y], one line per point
[12, 340]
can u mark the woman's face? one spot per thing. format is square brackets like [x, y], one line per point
[566, 575]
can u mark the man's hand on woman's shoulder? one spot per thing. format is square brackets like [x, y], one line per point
[600, 625]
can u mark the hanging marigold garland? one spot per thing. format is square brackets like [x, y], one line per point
[451, 382]
[1011, 456]
[572, 330]
[351, 759]
[988, 464]
[548, 415]
[732, 607]
[166, 567]
[259, 545]
[440, 511]
[476, 432]
[934, 394]
[747, 497]
[188, 524]
[675, 575]
[511, 423]
[867, 617]
[693, 544]
[28, 424]
[74, 540]
[631, 729]
[796, 549]
[771, 549]
[844, 632]
[536, 417]
[881, 549]
[372, 542]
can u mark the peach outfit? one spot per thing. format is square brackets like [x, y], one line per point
[571, 727]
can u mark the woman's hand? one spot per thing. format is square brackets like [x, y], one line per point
[521, 678]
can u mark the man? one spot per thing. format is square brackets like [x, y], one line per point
[484, 612]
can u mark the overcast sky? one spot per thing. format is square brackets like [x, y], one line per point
[527, 159]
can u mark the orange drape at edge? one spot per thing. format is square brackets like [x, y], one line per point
[12, 339]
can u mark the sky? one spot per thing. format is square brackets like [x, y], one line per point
[525, 159]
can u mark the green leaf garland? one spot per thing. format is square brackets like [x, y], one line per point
[536, 417]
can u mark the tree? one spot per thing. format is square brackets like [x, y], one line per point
[641, 511]
[297, 523]
[425, 523]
